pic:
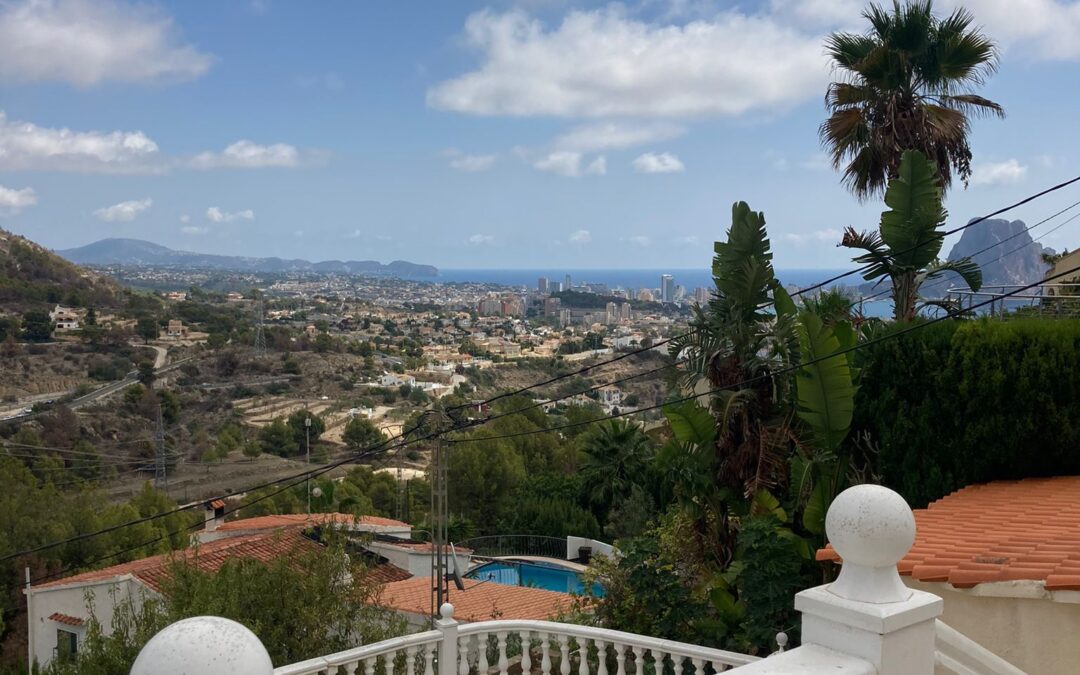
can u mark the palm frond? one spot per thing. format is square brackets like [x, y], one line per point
[910, 227]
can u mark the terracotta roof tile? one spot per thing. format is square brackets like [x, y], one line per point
[66, 619]
[480, 601]
[209, 557]
[386, 573]
[1001, 531]
[286, 520]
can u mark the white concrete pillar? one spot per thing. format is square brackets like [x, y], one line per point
[868, 612]
[448, 647]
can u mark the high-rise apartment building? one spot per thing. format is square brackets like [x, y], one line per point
[667, 288]
[542, 285]
[566, 283]
[701, 296]
[552, 306]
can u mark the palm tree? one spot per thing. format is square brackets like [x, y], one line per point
[616, 460]
[907, 85]
[910, 238]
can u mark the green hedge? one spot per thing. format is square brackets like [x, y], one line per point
[958, 403]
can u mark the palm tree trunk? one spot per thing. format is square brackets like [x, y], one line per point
[904, 295]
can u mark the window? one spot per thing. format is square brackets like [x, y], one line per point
[67, 644]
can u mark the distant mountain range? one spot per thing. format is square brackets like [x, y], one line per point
[136, 252]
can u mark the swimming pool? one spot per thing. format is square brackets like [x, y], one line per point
[533, 574]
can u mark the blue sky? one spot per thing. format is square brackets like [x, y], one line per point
[538, 133]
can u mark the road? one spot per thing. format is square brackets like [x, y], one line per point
[112, 388]
[109, 389]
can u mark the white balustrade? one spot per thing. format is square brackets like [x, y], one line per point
[555, 648]
[376, 659]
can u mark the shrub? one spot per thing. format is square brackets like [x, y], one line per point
[954, 404]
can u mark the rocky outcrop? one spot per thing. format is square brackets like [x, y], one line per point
[1017, 261]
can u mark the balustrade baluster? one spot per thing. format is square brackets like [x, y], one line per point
[545, 651]
[429, 660]
[410, 661]
[463, 656]
[564, 654]
[369, 665]
[601, 657]
[482, 649]
[583, 656]
[698, 666]
[501, 638]
[526, 652]
[351, 667]
[658, 662]
[620, 658]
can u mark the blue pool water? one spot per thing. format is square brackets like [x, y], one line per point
[532, 574]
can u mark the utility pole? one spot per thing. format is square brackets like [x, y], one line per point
[29, 625]
[161, 474]
[438, 524]
[307, 442]
[260, 337]
[399, 511]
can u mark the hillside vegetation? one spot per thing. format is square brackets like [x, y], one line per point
[31, 275]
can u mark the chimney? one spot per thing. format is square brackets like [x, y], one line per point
[214, 515]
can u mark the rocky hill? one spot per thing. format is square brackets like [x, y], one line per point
[136, 252]
[32, 275]
[1016, 261]
[1012, 259]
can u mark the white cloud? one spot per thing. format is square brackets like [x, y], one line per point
[597, 167]
[472, 163]
[215, 214]
[831, 235]
[563, 162]
[27, 146]
[24, 145]
[616, 136]
[663, 162]
[639, 240]
[479, 239]
[185, 218]
[581, 237]
[88, 43]
[998, 173]
[13, 201]
[603, 63]
[124, 212]
[194, 229]
[244, 154]
[1042, 29]
[690, 240]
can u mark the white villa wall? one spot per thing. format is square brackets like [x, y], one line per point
[416, 563]
[1029, 632]
[73, 601]
[598, 547]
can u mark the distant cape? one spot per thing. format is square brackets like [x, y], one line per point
[136, 252]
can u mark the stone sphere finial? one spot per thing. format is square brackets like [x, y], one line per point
[446, 611]
[872, 528]
[209, 645]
